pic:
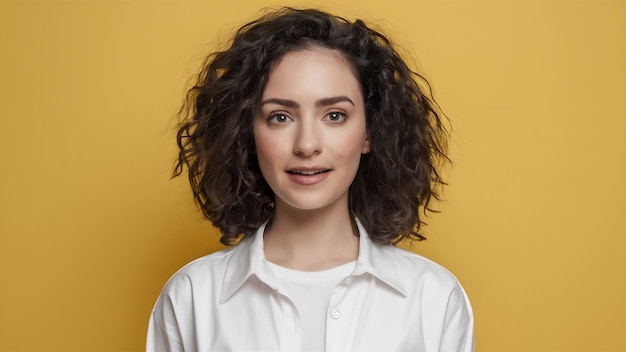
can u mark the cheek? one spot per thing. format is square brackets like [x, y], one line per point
[262, 150]
[347, 152]
[260, 141]
[267, 151]
[351, 146]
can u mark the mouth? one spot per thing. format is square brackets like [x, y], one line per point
[307, 172]
[308, 176]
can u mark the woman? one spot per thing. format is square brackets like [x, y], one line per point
[313, 149]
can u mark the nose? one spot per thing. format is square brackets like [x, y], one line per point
[308, 141]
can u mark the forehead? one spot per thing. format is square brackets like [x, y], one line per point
[315, 71]
[315, 52]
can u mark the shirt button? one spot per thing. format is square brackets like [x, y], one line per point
[335, 313]
[348, 280]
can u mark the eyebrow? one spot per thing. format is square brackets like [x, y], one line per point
[318, 103]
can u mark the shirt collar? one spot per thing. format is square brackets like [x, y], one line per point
[248, 259]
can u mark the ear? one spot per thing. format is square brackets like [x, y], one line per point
[365, 147]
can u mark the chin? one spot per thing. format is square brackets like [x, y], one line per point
[313, 203]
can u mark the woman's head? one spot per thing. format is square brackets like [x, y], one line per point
[404, 134]
[310, 132]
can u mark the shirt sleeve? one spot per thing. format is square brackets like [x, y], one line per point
[458, 330]
[163, 337]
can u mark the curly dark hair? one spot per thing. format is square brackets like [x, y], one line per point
[408, 140]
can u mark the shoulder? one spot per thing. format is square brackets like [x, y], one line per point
[437, 289]
[194, 288]
[441, 298]
[419, 271]
[405, 270]
[201, 272]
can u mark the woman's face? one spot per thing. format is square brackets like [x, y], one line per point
[309, 130]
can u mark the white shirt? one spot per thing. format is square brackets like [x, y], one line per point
[394, 300]
[310, 292]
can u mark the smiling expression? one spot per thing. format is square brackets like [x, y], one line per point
[309, 129]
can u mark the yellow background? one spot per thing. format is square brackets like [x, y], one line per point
[91, 226]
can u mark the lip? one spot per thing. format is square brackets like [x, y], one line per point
[307, 176]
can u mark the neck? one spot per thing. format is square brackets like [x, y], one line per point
[311, 240]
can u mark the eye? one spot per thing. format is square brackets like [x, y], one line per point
[278, 117]
[336, 117]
